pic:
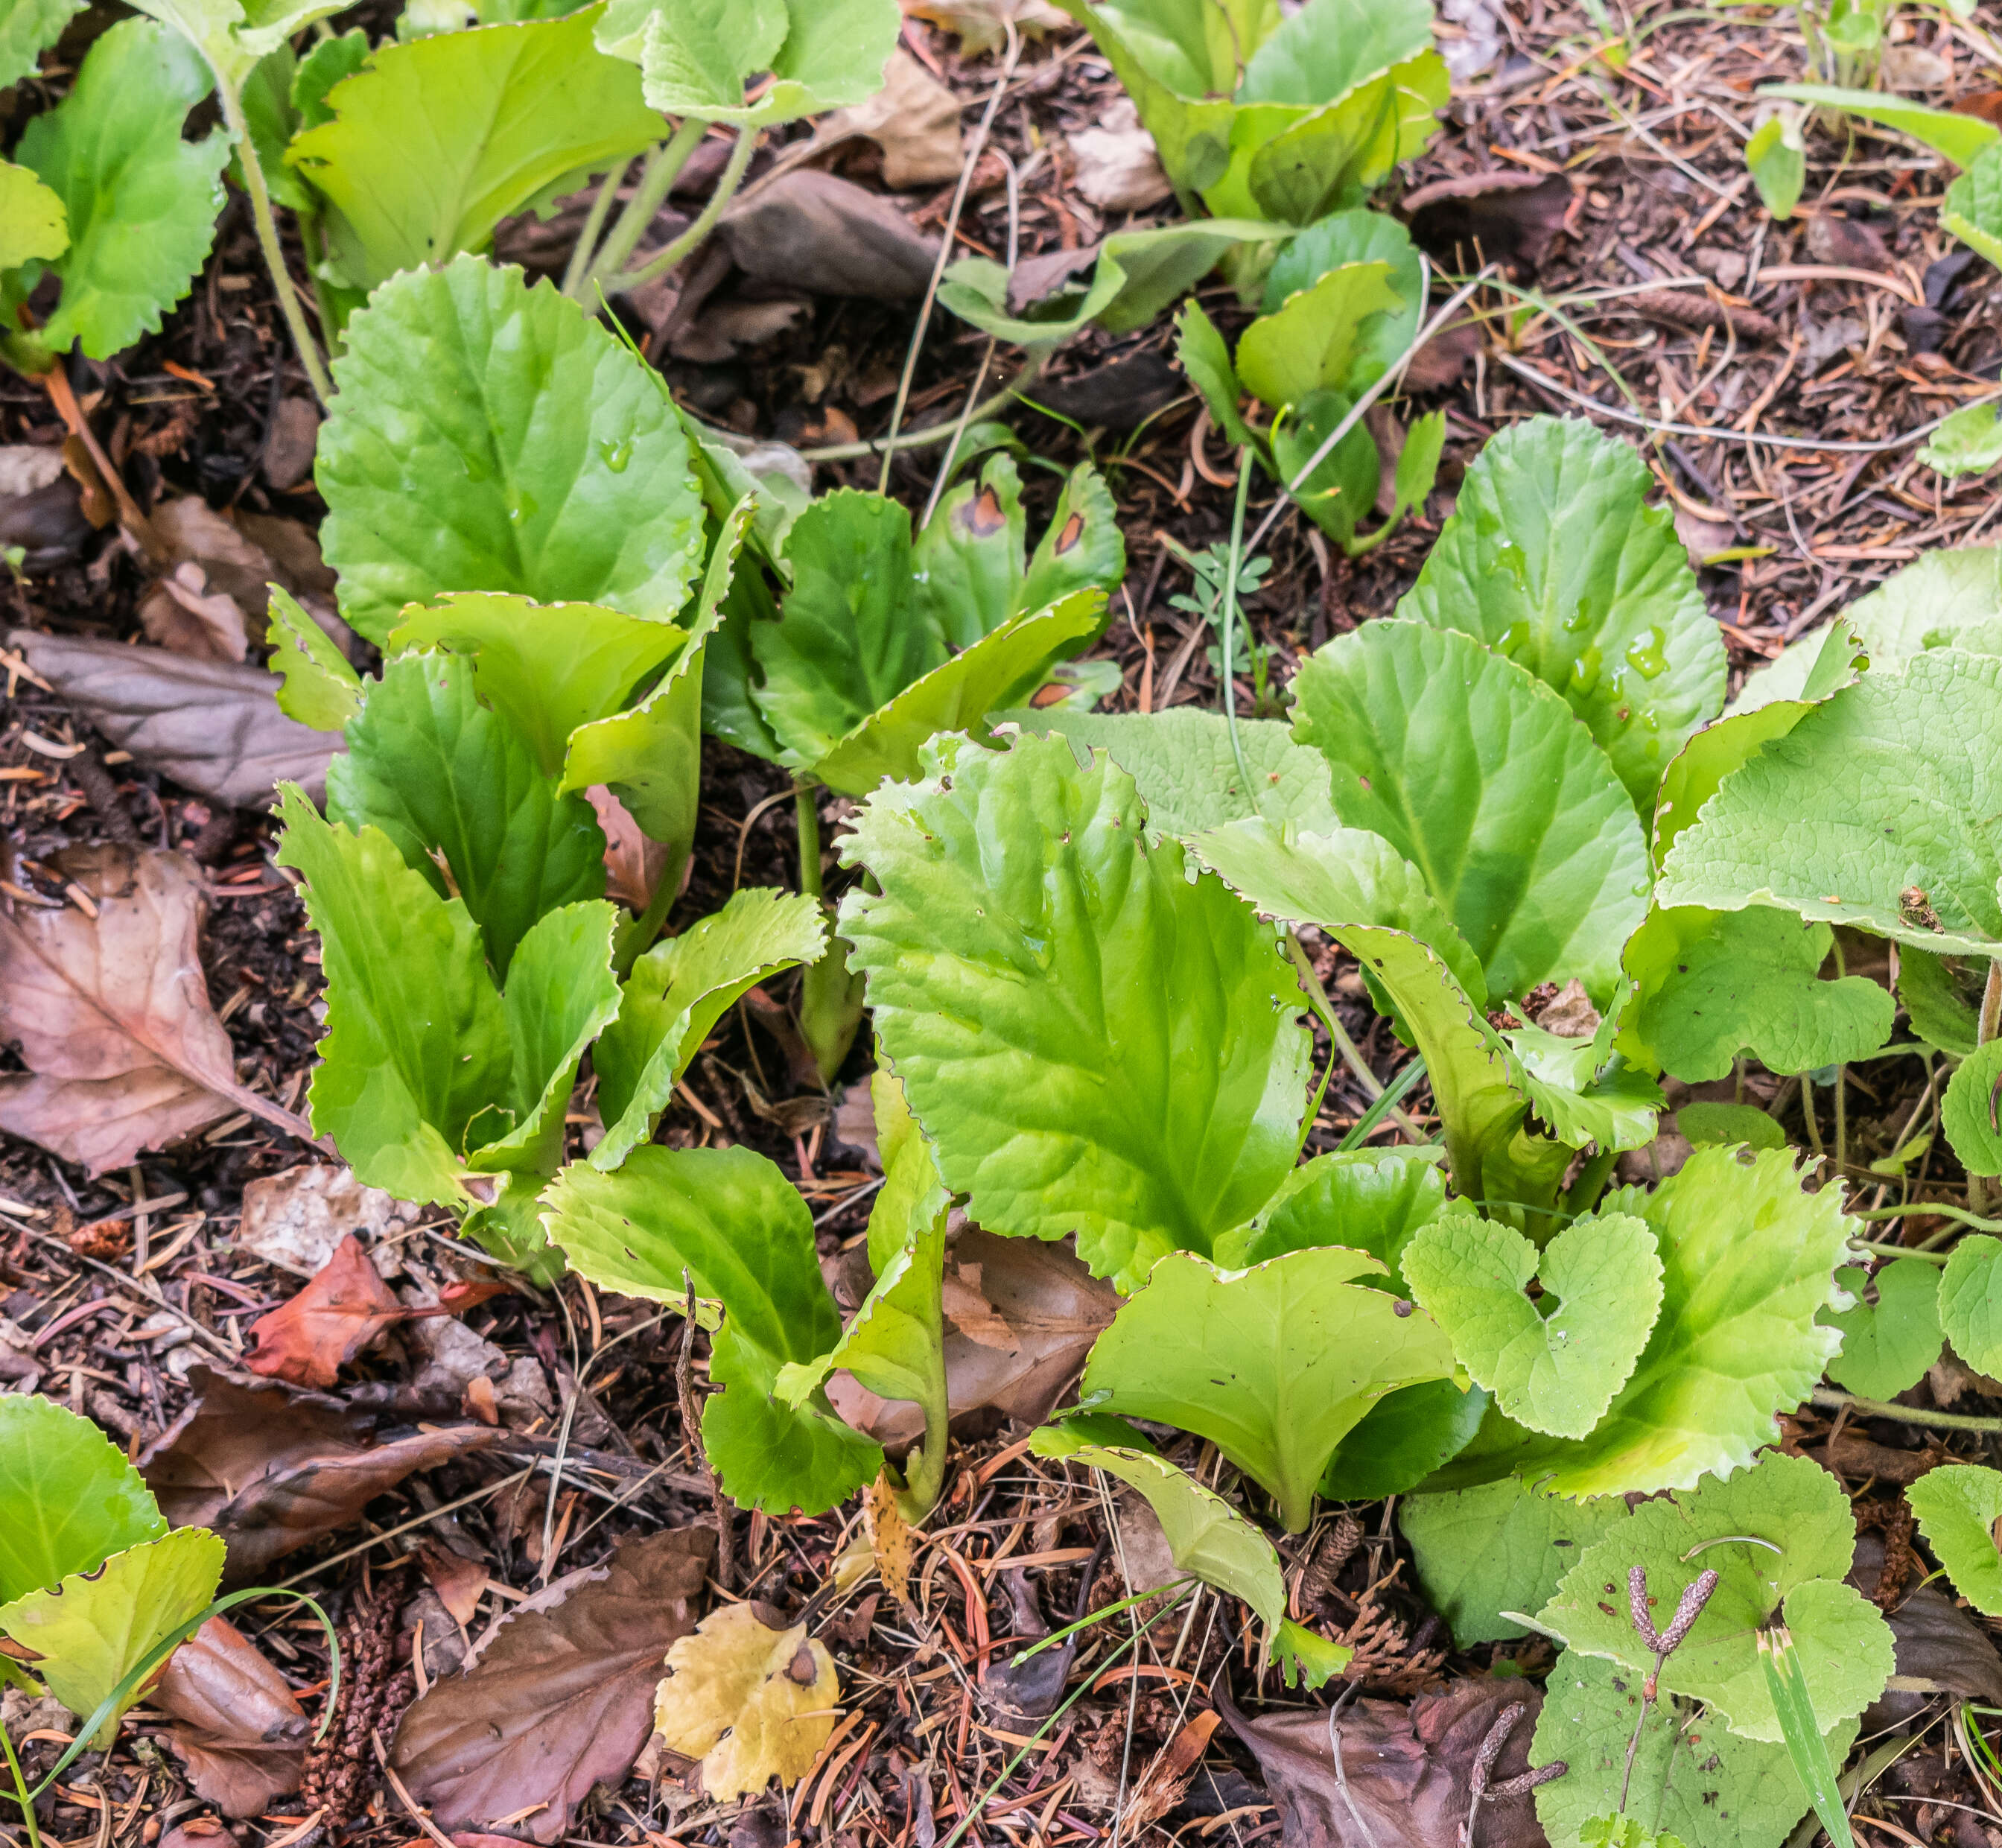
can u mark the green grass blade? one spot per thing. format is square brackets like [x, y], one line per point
[1805, 1741]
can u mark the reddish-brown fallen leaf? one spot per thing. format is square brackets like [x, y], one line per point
[459, 1582]
[242, 1735]
[308, 1340]
[111, 1013]
[455, 1297]
[271, 1468]
[560, 1696]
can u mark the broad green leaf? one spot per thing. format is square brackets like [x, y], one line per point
[714, 43]
[1553, 557]
[1778, 157]
[1888, 1345]
[1971, 1113]
[1094, 1042]
[1342, 488]
[1553, 1368]
[1689, 1775]
[442, 773]
[1081, 549]
[676, 994]
[1274, 1364]
[1186, 771]
[1484, 1551]
[27, 29]
[1313, 342]
[1728, 1124]
[317, 686]
[1970, 1302]
[1709, 985]
[1482, 778]
[489, 436]
[140, 200]
[1958, 1505]
[1881, 809]
[72, 1498]
[1404, 1438]
[831, 55]
[321, 69]
[435, 142]
[1946, 599]
[968, 562]
[1779, 1537]
[271, 122]
[1942, 996]
[1206, 360]
[547, 670]
[1356, 237]
[1970, 442]
[1972, 207]
[92, 1630]
[1748, 1258]
[725, 1222]
[34, 225]
[1371, 1200]
[1960, 137]
[958, 695]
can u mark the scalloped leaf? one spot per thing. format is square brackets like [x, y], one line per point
[1958, 1505]
[1971, 1113]
[1970, 1302]
[1094, 1042]
[1887, 1345]
[27, 30]
[692, 57]
[318, 686]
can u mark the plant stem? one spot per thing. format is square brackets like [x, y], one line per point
[1833, 1401]
[830, 1002]
[921, 1490]
[1229, 655]
[1351, 1056]
[21, 1791]
[657, 179]
[1032, 368]
[594, 225]
[726, 190]
[1939, 1208]
[1881, 1251]
[289, 304]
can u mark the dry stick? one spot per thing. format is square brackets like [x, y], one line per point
[1831, 1399]
[692, 1427]
[970, 160]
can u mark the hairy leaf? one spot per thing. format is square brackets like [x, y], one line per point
[832, 55]
[1970, 1302]
[72, 1499]
[1958, 1505]
[1971, 1113]
[1888, 1345]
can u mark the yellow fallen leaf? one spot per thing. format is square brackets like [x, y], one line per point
[889, 1537]
[752, 1703]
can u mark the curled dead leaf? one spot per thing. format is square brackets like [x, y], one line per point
[1117, 164]
[812, 231]
[309, 1339]
[240, 1731]
[913, 118]
[889, 1537]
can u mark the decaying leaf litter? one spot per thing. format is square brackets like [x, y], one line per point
[501, 1451]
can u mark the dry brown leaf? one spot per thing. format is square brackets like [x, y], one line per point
[1116, 162]
[1507, 217]
[309, 1339]
[1845, 243]
[459, 1583]
[977, 24]
[213, 726]
[294, 1220]
[889, 1537]
[41, 506]
[633, 863]
[112, 1016]
[182, 613]
[812, 231]
[271, 1468]
[752, 1703]
[243, 1733]
[913, 118]
[558, 1698]
[288, 450]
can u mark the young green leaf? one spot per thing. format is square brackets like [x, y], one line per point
[1970, 1302]
[1480, 776]
[72, 1500]
[1970, 442]
[34, 225]
[1960, 137]
[1553, 557]
[317, 685]
[695, 54]
[1958, 1505]
[1404, 1438]
[1481, 1553]
[1275, 1366]
[1356, 236]
[1971, 1113]
[1972, 207]
[1942, 997]
[1888, 1345]
[1878, 809]
[1623, 1831]
[1552, 1370]
[1725, 1125]
[1206, 360]
[27, 29]
[716, 45]
[140, 202]
[1342, 487]
[676, 994]
[1093, 1041]
[1372, 1200]
[1315, 340]
[442, 773]
[489, 436]
[1776, 156]
[1689, 1775]
[724, 1220]
[1780, 1535]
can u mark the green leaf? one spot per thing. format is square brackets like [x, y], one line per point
[92, 1631]
[1958, 1505]
[958, 694]
[1972, 207]
[725, 1220]
[692, 53]
[1356, 237]
[271, 122]
[1970, 442]
[1206, 360]
[1887, 1346]
[27, 30]
[1554, 1369]
[1313, 342]
[1780, 1536]
[1879, 809]
[1186, 774]
[968, 563]
[489, 436]
[317, 686]
[1735, 1344]
[1970, 1302]
[714, 44]
[678, 992]
[72, 1498]
[1945, 599]
[1776, 156]
[1972, 1114]
[1690, 1775]
[1786, 1681]
[1343, 487]
[1274, 1364]
[1709, 985]
[1623, 1831]
[1418, 464]
[1482, 778]
[1942, 996]
[1094, 1042]
[1081, 549]
[140, 202]
[1403, 1439]
[34, 225]
[1503, 1547]
[441, 772]
[1554, 557]
[1961, 139]
[1371, 1200]
[320, 69]
[435, 142]
[1728, 1124]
